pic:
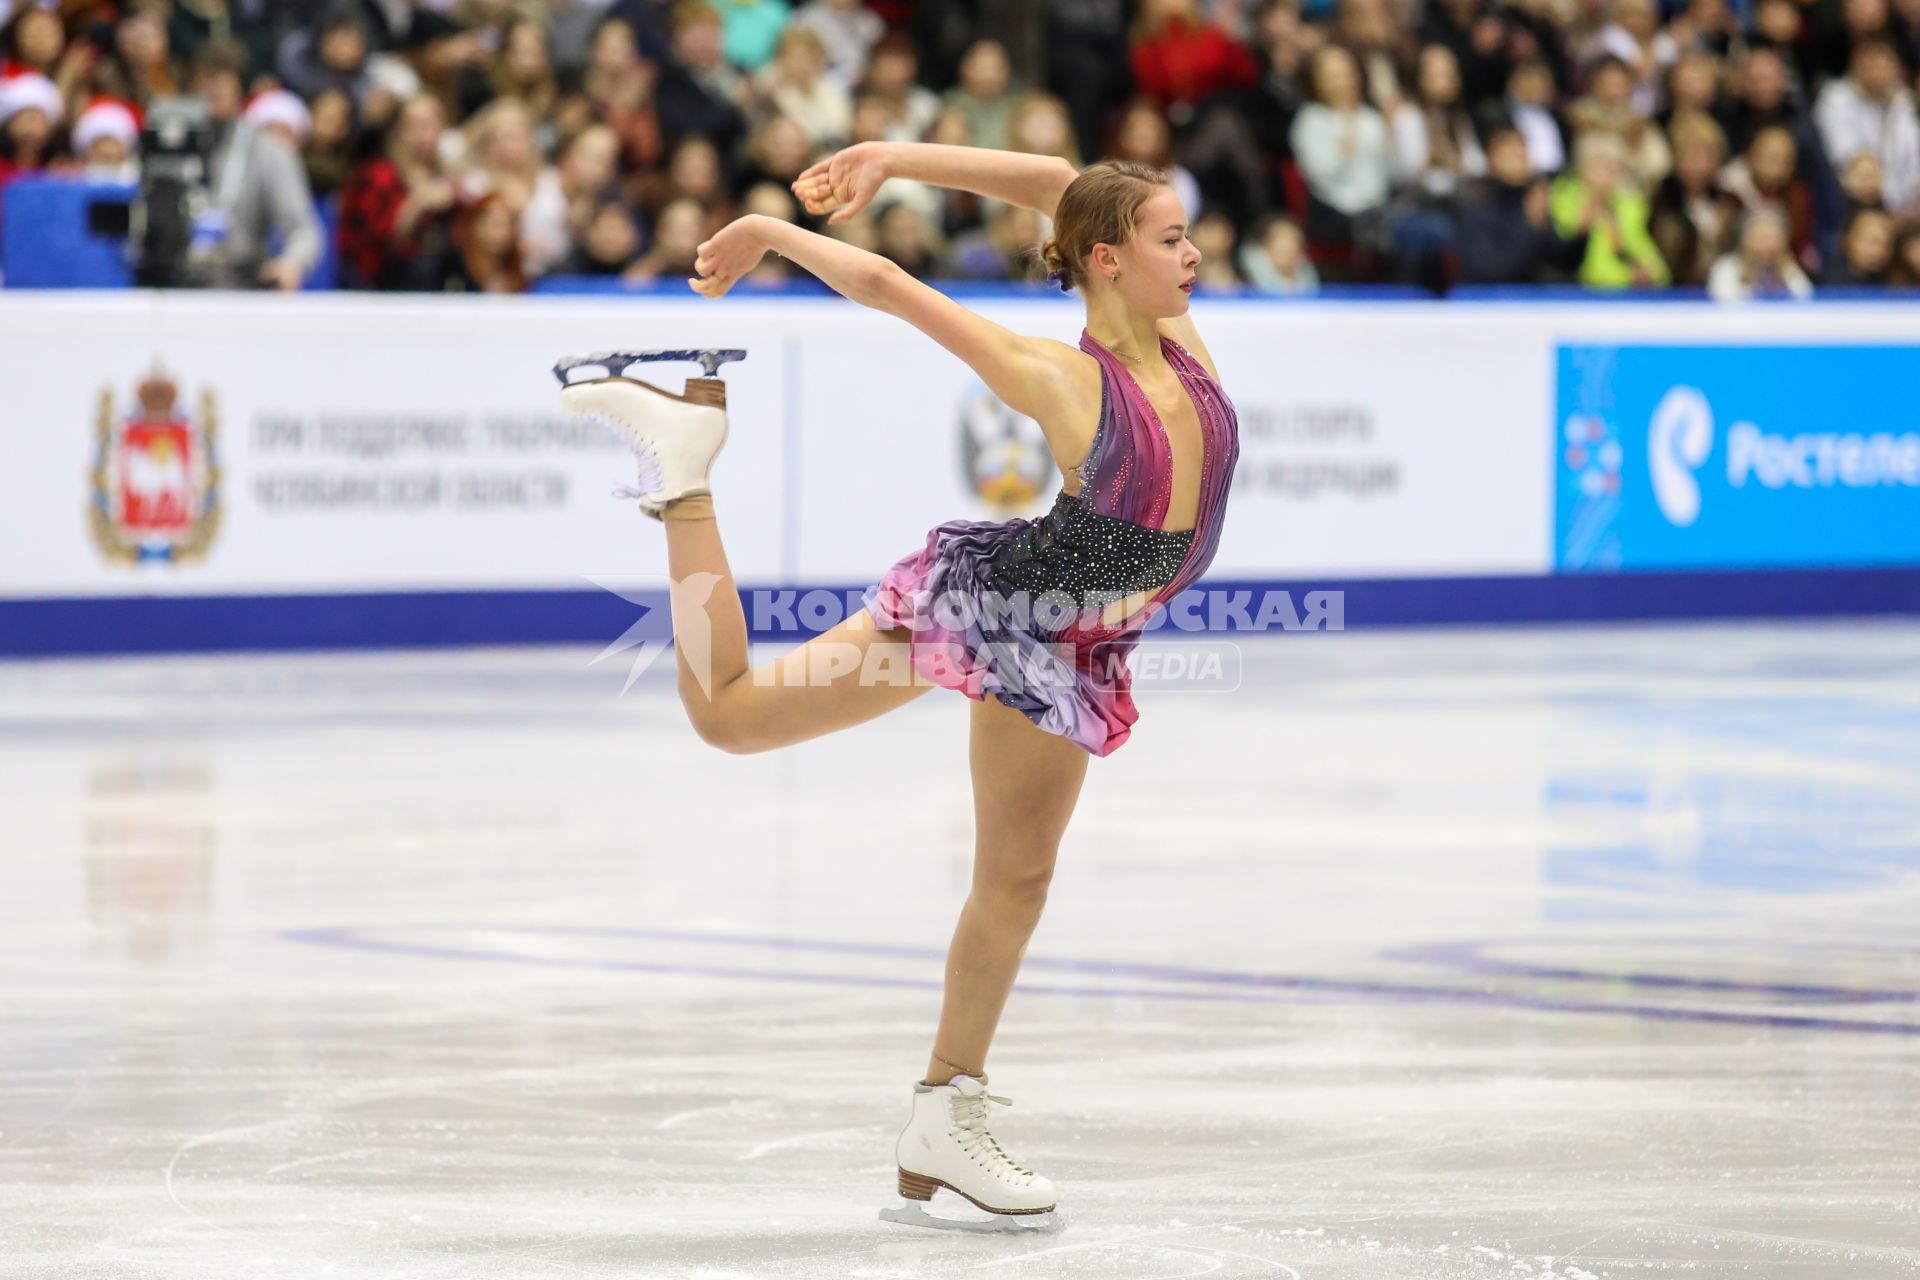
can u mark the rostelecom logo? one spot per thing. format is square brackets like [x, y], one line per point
[1679, 438]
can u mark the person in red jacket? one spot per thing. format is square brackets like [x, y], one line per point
[1178, 58]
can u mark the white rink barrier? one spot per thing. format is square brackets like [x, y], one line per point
[209, 445]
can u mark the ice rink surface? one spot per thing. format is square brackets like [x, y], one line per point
[1422, 954]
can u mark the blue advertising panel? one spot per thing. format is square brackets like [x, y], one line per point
[1678, 457]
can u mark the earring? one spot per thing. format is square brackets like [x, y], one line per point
[1114, 278]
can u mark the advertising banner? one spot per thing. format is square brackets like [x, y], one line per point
[1737, 457]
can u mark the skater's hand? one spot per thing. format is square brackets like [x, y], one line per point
[844, 183]
[735, 250]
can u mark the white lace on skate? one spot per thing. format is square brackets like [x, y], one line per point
[643, 450]
[970, 1129]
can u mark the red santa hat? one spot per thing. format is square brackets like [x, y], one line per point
[277, 106]
[31, 92]
[106, 118]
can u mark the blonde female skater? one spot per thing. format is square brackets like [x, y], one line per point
[1145, 439]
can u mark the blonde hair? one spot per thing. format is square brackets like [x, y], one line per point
[1101, 206]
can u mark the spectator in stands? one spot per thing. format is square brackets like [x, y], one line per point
[106, 143]
[30, 116]
[609, 246]
[281, 115]
[451, 63]
[1179, 58]
[1779, 28]
[904, 236]
[1273, 258]
[1857, 22]
[778, 152]
[141, 66]
[1636, 40]
[1872, 110]
[752, 30]
[618, 87]
[796, 85]
[1694, 218]
[1001, 250]
[848, 29]
[1767, 178]
[523, 68]
[697, 173]
[1598, 199]
[487, 243]
[677, 235]
[257, 184]
[1530, 106]
[890, 81]
[1760, 99]
[1041, 127]
[258, 26]
[1693, 86]
[1705, 26]
[1861, 183]
[1866, 255]
[565, 197]
[329, 54]
[35, 43]
[1479, 34]
[329, 153]
[396, 210]
[1213, 235]
[1143, 137]
[1381, 45]
[501, 155]
[1505, 234]
[699, 92]
[1763, 267]
[1344, 149]
[1434, 137]
[1905, 273]
[1609, 108]
[571, 26]
[983, 95]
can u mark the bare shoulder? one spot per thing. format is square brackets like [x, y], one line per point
[1183, 331]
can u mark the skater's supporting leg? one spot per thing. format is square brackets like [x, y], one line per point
[849, 674]
[1025, 783]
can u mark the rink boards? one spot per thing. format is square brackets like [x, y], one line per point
[212, 471]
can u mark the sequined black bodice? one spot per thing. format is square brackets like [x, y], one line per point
[1092, 558]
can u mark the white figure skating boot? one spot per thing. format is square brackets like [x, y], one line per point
[675, 437]
[946, 1144]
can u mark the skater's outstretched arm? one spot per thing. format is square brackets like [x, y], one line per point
[844, 183]
[1049, 381]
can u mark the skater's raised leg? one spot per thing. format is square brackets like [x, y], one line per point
[850, 674]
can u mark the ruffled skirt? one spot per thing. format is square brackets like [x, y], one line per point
[968, 635]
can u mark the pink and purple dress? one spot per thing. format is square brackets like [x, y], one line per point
[1013, 608]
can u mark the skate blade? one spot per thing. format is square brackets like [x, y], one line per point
[911, 1213]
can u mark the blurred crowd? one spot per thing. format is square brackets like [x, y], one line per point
[1750, 147]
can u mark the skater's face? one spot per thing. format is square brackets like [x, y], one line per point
[1157, 263]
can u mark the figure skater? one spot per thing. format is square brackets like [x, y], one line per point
[1145, 439]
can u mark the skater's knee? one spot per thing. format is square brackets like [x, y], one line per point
[1015, 894]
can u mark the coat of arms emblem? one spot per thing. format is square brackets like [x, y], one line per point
[156, 476]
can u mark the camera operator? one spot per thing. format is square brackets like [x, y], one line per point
[257, 185]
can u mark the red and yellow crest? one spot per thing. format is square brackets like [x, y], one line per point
[156, 477]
